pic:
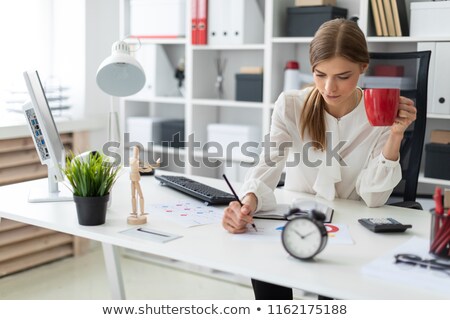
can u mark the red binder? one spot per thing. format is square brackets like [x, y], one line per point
[194, 31]
[202, 25]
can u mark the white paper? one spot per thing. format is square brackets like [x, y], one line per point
[338, 234]
[271, 230]
[385, 268]
[304, 204]
[150, 234]
[187, 213]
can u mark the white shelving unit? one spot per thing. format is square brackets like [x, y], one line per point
[201, 104]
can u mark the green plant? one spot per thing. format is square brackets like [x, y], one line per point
[90, 176]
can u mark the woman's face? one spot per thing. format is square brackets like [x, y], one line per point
[336, 79]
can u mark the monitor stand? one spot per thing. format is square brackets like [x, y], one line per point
[52, 194]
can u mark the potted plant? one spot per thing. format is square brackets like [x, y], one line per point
[91, 177]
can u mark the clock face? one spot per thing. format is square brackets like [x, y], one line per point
[303, 238]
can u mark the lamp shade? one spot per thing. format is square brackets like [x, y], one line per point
[120, 74]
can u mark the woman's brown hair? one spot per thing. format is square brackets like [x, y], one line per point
[335, 38]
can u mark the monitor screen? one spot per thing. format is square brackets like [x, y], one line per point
[45, 136]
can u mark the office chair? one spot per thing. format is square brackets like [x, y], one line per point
[415, 66]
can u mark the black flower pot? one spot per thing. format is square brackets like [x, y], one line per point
[91, 211]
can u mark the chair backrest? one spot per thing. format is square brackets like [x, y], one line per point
[413, 69]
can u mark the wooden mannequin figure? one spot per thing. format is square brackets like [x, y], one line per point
[136, 217]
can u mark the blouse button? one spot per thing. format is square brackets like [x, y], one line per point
[383, 161]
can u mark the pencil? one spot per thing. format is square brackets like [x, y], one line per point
[236, 197]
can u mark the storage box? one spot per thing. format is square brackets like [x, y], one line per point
[430, 19]
[440, 136]
[233, 137]
[437, 161]
[306, 3]
[159, 72]
[144, 129]
[148, 18]
[304, 21]
[172, 133]
[156, 130]
[249, 87]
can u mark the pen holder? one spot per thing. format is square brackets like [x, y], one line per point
[440, 235]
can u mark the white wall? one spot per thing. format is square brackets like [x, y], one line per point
[102, 30]
[24, 35]
[68, 56]
[84, 32]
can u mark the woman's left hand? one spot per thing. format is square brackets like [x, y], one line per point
[406, 114]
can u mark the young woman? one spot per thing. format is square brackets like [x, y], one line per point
[340, 154]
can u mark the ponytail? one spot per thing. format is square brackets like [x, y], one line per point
[312, 120]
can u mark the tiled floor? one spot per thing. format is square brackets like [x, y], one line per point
[85, 278]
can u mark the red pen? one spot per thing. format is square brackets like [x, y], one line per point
[443, 241]
[442, 237]
[438, 211]
[438, 200]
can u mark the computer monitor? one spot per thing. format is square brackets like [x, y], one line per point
[46, 140]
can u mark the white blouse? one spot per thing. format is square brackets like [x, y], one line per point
[362, 171]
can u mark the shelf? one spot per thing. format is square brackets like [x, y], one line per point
[168, 150]
[236, 158]
[145, 41]
[229, 47]
[390, 39]
[292, 40]
[197, 153]
[409, 39]
[171, 100]
[201, 105]
[434, 181]
[369, 39]
[227, 103]
[438, 116]
[64, 124]
[406, 39]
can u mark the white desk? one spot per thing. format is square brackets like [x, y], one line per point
[335, 272]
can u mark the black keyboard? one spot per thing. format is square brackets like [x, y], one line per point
[196, 189]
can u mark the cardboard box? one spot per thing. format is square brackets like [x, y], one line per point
[304, 21]
[437, 158]
[430, 19]
[440, 136]
[306, 3]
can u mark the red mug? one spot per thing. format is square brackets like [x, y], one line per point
[381, 105]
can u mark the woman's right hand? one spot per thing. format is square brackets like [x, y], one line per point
[236, 218]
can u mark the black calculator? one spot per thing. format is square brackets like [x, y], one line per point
[383, 225]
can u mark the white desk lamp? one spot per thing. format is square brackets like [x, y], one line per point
[119, 75]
